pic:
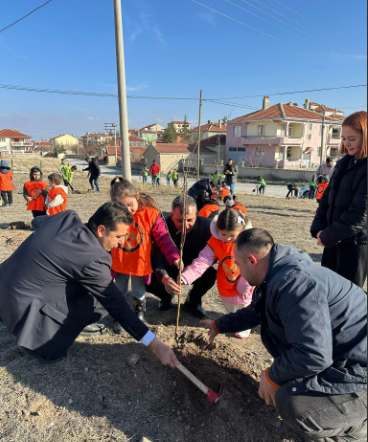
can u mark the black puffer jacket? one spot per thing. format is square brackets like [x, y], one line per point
[342, 214]
[201, 192]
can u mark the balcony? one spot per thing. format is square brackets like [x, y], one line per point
[21, 144]
[333, 139]
[272, 139]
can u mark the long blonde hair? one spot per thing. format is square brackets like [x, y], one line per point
[121, 188]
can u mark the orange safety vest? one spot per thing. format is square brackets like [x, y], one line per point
[134, 256]
[38, 202]
[52, 195]
[240, 208]
[225, 193]
[228, 272]
[6, 184]
[321, 190]
[208, 209]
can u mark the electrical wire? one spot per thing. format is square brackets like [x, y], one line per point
[268, 21]
[257, 30]
[293, 92]
[12, 24]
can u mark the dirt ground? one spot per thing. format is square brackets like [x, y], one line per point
[98, 395]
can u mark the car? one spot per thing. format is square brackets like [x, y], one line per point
[304, 192]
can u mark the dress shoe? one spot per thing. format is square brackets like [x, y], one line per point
[41, 359]
[94, 330]
[118, 329]
[140, 308]
[197, 311]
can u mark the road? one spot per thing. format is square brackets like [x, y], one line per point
[109, 171]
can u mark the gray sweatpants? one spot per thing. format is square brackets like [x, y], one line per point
[320, 415]
[138, 285]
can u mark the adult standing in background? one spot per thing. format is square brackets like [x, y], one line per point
[94, 172]
[155, 173]
[231, 172]
[326, 168]
[340, 224]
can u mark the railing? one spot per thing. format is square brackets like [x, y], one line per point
[22, 143]
[271, 137]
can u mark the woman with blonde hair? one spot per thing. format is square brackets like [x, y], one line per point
[340, 224]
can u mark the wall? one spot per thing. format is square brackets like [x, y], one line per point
[171, 162]
[299, 175]
[5, 145]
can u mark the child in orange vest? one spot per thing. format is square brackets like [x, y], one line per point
[35, 200]
[6, 184]
[210, 210]
[57, 198]
[231, 202]
[133, 259]
[225, 191]
[323, 182]
[234, 290]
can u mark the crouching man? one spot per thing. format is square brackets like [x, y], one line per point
[314, 324]
[59, 281]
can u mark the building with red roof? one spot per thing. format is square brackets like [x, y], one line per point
[13, 141]
[282, 136]
[209, 130]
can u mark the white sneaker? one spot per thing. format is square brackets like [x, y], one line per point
[243, 335]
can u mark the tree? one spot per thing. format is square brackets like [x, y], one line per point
[60, 149]
[184, 133]
[170, 135]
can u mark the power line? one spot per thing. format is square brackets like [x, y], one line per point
[267, 21]
[9, 26]
[294, 92]
[255, 29]
[306, 18]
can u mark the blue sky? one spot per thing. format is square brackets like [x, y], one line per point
[173, 49]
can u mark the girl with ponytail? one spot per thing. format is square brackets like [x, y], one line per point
[132, 261]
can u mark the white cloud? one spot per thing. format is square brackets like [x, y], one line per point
[341, 56]
[209, 18]
[136, 88]
[133, 36]
[159, 34]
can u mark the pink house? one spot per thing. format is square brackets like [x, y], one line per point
[284, 136]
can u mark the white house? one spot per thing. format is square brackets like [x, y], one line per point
[12, 141]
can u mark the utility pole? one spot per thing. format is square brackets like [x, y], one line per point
[110, 127]
[123, 108]
[323, 136]
[199, 135]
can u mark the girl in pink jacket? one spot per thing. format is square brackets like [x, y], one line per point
[234, 290]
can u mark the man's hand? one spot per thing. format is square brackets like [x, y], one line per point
[319, 242]
[212, 333]
[29, 198]
[170, 286]
[267, 391]
[179, 264]
[164, 353]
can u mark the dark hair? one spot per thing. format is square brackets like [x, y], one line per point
[55, 178]
[154, 162]
[229, 198]
[110, 215]
[213, 201]
[328, 160]
[178, 203]
[259, 178]
[231, 220]
[35, 170]
[74, 168]
[255, 239]
[122, 188]
[213, 183]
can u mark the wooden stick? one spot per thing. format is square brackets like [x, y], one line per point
[193, 379]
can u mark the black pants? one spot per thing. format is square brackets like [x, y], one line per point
[348, 260]
[37, 213]
[200, 287]
[296, 193]
[7, 196]
[321, 415]
[312, 192]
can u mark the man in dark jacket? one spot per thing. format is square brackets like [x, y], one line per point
[314, 324]
[163, 284]
[202, 192]
[94, 171]
[59, 281]
[341, 221]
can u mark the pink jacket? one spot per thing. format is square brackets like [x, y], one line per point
[205, 260]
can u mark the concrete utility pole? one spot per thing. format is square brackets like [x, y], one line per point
[123, 108]
[199, 135]
[323, 136]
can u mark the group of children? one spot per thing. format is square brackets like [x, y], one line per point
[41, 198]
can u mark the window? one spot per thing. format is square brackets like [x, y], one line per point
[261, 130]
[309, 137]
[260, 153]
[336, 132]
[290, 130]
[319, 151]
[242, 149]
[2, 140]
[289, 153]
[233, 149]
[311, 127]
[237, 131]
[279, 154]
[320, 130]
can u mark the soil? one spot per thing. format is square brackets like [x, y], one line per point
[112, 389]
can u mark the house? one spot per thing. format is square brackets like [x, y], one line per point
[42, 147]
[68, 141]
[173, 156]
[13, 142]
[282, 136]
[96, 139]
[153, 128]
[136, 154]
[178, 125]
[137, 142]
[208, 130]
[320, 108]
[216, 145]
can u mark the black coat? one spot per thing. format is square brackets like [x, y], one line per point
[342, 214]
[94, 169]
[50, 287]
[201, 192]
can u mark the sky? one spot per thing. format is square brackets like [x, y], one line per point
[175, 48]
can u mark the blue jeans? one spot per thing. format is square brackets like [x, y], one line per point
[154, 181]
[232, 189]
[95, 182]
[145, 179]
